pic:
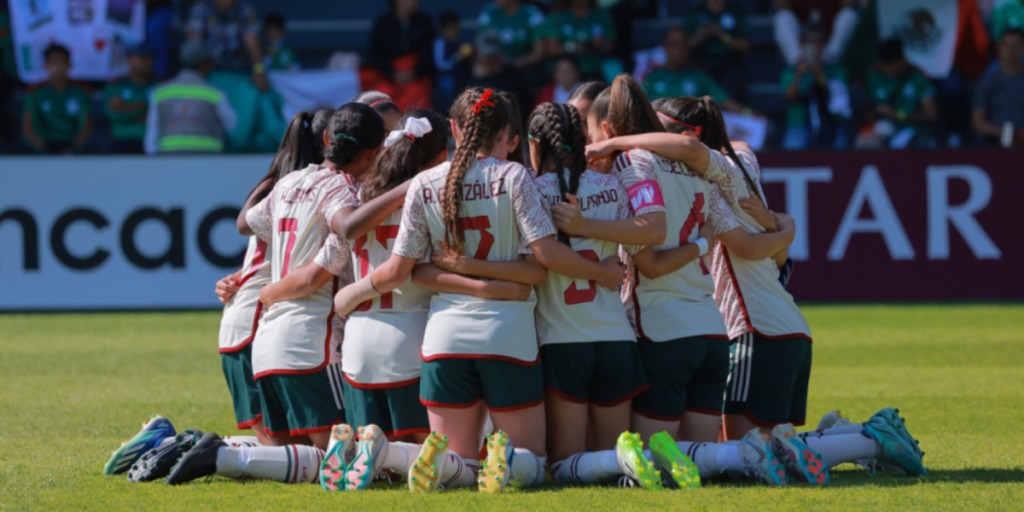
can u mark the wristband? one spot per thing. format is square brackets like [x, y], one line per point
[702, 243]
[258, 68]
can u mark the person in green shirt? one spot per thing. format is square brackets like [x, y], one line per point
[1008, 14]
[678, 78]
[719, 42]
[127, 101]
[582, 30]
[278, 56]
[56, 117]
[519, 26]
[819, 101]
[902, 95]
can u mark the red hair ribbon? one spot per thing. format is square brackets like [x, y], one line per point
[696, 129]
[382, 100]
[484, 102]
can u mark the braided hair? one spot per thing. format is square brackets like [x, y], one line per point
[400, 162]
[705, 114]
[558, 131]
[479, 130]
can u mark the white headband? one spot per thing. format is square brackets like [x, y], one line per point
[415, 127]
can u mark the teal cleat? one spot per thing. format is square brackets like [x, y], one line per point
[759, 463]
[335, 463]
[899, 448]
[802, 462]
[154, 430]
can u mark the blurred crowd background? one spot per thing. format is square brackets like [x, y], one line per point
[816, 74]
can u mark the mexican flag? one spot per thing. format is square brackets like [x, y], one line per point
[937, 35]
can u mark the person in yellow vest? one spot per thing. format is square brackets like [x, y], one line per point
[187, 114]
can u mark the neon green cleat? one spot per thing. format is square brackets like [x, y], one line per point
[677, 470]
[629, 450]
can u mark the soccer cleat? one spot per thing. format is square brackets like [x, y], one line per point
[200, 461]
[361, 471]
[759, 463]
[629, 451]
[801, 461]
[677, 470]
[425, 473]
[899, 448]
[154, 430]
[335, 464]
[496, 469]
[157, 463]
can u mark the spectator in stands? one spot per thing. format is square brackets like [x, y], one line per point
[819, 102]
[999, 96]
[278, 57]
[159, 18]
[57, 117]
[901, 99]
[1007, 14]
[718, 40]
[582, 30]
[127, 101]
[490, 70]
[519, 26]
[231, 31]
[449, 52]
[566, 80]
[186, 114]
[678, 78]
[400, 55]
[830, 16]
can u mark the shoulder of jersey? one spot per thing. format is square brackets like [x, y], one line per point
[600, 180]
[633, 157]
[433, 173]
[748, 157]
[546, 180]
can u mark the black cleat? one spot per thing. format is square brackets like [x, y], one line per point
[200, 461]
[157, 462]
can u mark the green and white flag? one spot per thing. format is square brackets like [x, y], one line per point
[928, 28]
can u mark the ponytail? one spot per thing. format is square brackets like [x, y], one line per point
[704, 117]
[296, 151]
[354, 128]
[514, 126]
[480, 121]
[400, 162]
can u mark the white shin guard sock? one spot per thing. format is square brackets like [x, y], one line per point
[837, 449]
[713, 459]
[237, 441]
[459, 472]
[399, 456]
[288, 464]
[527, 467]
[834, 431]
[587, 468]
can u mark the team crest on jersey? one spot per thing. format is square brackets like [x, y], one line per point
[645, 194]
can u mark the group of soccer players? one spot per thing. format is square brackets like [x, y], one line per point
[468, 320]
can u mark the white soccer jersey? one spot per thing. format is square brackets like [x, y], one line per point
[242, 313]
[385, 335]
[501, 211]
[680, 304]
[574, 311]
[298, 336]
[749, 293]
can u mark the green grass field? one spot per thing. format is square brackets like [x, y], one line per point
[73, 387]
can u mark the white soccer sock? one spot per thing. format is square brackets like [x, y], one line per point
[527, 467]
[459, 472]
[237, 441]
[713, 459]
[398, 456]
[587, 468]
[289, 464]
[837, 449]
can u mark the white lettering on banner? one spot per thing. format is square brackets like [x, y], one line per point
[796, 181]
[871, 190]
[962, 216]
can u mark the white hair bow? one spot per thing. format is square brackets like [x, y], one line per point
[415, 127]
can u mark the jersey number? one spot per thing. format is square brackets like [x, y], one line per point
[289, 226]
[481, 224]
[574, 295]
[383, 234]
[693, 223]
